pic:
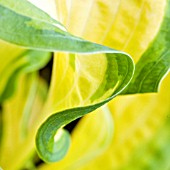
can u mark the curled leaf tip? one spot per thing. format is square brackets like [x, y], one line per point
[52, 148]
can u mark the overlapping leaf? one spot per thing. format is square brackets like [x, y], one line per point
[14, 62]
[137, 120]
[155, 62]
[119, 24]
[20, 112]
[48, 36]
[87, 142]
[145, 18]
[140, 125]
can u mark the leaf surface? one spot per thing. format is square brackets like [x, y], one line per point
[17, 61]
[47, 36]
[135, 27]
[155, 62]
[52, 38]
[19, 113]
[146, 19]
[87, 142]
[141, 124]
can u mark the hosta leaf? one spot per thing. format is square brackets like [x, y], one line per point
[132, 32]
[17, 61]
[141, 123]
[45, 140]
[49, 37]
[46, 36]
[132, 26]
[93, 141]
[138, 119]
[25, 8]
[4, 72]
[19, 114]
[12, 118]
[155, 62]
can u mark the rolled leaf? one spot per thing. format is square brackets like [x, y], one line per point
[47, 36]
[133, 33]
